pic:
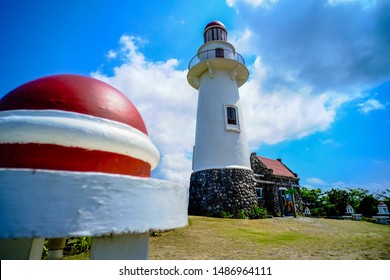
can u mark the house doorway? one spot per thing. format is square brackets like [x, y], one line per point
[286, 202]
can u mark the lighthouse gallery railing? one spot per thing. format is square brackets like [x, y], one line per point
[215, 53]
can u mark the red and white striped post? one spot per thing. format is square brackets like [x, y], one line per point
[75, 160]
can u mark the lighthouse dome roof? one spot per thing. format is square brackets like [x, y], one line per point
[74, 123]
[215, 23]
[74, 93]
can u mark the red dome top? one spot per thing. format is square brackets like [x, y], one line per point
[74, 93]
[215, 23]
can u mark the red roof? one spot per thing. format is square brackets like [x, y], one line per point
[215, 23]
[277, 167]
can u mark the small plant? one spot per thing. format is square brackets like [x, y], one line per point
[45, 251]
[77, 245]
[242, 215]
[258, 212]
[225, 214]
[158, 233]
[209, 214]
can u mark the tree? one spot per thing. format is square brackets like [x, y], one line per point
[312, 199]
[368, 206]
[385, 197]
[355, 196]
[335, 202]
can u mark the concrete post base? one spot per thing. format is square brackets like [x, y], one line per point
[120, 247]
[21, 248]
[56, 248]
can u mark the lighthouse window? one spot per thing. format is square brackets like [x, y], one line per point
[215, 34]
[231, 116]
[219, 52]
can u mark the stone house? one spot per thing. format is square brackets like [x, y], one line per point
[277, 186]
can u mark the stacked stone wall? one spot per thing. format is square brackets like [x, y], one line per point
[216, 190]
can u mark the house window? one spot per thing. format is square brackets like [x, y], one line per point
[259, 193]
[231, 115]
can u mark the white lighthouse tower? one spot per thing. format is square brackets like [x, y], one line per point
[222, 179]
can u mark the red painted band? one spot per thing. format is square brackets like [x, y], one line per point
[55, 157]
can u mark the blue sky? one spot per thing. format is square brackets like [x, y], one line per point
[317, 96]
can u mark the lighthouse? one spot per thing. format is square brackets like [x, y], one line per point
[222, 179]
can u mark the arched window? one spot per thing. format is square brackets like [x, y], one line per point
[231, 116]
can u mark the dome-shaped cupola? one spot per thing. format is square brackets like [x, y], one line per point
[215, 31]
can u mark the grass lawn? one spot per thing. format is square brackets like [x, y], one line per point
[273, 239]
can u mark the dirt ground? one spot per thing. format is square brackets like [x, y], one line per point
[273, 239]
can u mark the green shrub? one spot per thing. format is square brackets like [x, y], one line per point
[73, 246]
[258, 212]
[77, 245]
[318, 212]
[225, 214]
[242, 215]
[209, 214]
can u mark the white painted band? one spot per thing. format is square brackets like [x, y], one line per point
[43, 203]
[76, 130]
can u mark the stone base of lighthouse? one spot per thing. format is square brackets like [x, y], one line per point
[216, 190]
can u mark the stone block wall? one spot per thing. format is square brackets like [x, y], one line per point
[216, 190]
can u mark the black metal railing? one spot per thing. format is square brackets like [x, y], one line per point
[215, 53]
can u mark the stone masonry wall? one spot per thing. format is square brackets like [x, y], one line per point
[216, 190]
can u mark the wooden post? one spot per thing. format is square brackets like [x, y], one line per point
[293, 201]
[294, 206]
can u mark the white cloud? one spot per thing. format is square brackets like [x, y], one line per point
[253, 3]
[112, 54]
[370, 105]
[241, 40]
[310, 59]
[166, 102]
[327, 141]
[283, 113]
[338, 48]
[230, 3]
[365, 3]
[176, 167]
[316, 181]
[373, 188]
[332, 143]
